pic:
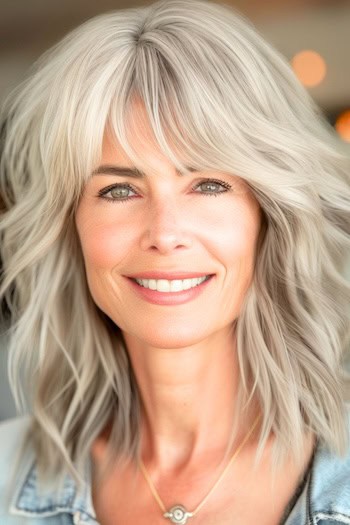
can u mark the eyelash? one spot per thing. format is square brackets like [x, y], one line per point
[103, 193]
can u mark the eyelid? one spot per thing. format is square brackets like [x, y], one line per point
[222, 183]
[106, 189]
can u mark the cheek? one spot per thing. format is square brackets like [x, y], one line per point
[234, 233]
[103, 243]
[236, 250]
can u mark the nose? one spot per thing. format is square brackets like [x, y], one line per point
[165, 228]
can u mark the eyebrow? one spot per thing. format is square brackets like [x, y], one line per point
[124, 171]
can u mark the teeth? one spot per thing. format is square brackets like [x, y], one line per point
[177, 285]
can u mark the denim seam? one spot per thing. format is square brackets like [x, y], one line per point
[332, 516]
[53, 511]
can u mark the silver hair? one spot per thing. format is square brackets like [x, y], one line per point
[219, 96]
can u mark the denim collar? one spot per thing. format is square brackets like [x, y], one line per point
[29, 501]
[329, 487]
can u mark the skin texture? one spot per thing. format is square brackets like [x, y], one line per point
[183, 355]
[167, 225]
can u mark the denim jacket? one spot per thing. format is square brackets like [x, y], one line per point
[324, 500]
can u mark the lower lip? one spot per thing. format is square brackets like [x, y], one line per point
[169, 298]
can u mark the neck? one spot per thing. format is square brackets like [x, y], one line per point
[188, 398]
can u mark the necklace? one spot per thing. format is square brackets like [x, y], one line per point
[178, 513]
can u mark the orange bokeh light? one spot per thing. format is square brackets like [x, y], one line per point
[342, 125]
[309, 67]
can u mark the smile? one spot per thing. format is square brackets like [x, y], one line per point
[176, 285]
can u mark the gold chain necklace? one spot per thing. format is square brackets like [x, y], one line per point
[178, 513]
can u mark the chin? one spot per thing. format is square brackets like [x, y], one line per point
[173, 338]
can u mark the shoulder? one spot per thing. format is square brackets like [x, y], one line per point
[22, 500]
[330, 482]
[13, 434]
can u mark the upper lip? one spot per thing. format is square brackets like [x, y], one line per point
[169, 276]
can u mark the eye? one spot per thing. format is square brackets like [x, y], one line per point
[124, 192]
[117, 192]
[212, 187]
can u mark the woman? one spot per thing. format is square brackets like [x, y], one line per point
[182, 356]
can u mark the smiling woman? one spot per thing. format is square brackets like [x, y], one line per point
[175, 231]
[171, 238]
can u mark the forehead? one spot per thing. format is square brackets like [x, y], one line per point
[139, 135]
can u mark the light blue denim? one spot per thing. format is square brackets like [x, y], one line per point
[325, 499]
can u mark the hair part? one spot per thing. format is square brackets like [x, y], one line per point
[218, 97]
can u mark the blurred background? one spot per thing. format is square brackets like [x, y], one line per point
[314, 36]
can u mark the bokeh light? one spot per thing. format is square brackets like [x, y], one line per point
[309, 67]
[342, 125]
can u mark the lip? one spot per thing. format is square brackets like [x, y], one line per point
[169, 298]
[169, 276]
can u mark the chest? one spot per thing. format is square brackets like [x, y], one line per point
[129, 501]
[248, 493]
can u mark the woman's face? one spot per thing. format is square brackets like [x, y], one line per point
[168, 231]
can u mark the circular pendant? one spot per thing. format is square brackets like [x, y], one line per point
[178, 514]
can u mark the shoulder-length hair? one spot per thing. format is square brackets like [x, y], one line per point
[220, 97]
